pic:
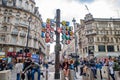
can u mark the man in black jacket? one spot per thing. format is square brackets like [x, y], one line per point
[93, 67]
[3, 65]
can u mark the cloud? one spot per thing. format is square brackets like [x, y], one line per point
[85, 1]
[74, 8]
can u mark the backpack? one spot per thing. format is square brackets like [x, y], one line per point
[72, 66]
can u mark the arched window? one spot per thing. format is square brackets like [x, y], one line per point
[31, 8]
[4, 28]
[10, 12]
[26, 4]
[8, 20]
[15, 29]
[18, 13]
[6, 11]
[25, 15]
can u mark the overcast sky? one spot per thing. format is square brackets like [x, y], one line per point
[77, 9]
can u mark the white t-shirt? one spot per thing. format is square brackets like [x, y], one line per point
[19, 67]
[111, 64]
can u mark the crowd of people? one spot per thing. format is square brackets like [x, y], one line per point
[91, 63]
[98, 63]
[29, 67]
[22, 67]
[67, 65]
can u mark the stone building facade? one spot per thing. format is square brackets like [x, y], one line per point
[99, 36]
[14, 24]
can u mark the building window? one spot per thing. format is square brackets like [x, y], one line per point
[25, 15]
[8, 20]
[5, 12]
[26, 4]
[98, 39]
[4, 28]
[15, 29]
[110, 48]
[18, 13]
[17, 20]
[22, 41]
[31, 7]
[20, 3]
[10, 12]
[14, 39]
[2, 38]
[5, 19]
[111, 39]
[101, 48]
[116, 40]
[118, 48]
[34, 44]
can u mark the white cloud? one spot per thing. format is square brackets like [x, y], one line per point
[73, 8]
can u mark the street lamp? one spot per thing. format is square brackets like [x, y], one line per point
[27, 50]
[74, 23]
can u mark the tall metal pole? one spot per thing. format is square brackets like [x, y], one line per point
[57, 47]
[28, 36]
[26, 50]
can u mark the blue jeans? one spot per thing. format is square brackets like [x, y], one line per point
[29, 75]
[33, 72]
[93, 69]
[18, 76]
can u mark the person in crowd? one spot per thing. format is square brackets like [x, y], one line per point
[46, 66]
[99, 66]
[119, 60]
[35, 67]
[42, 68]
[3, 65]
[111, 65]
[83, 63]
[27, 63]
[65, 67]
[72, 65]
[19, 68]
[85, 67]
[10, 65]
[93, 67]
[76, 64]
[0, 64]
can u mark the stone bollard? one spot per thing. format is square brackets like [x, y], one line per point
[117, 75]
[5, 75]
[88, 76]
[105, 72]
[62, 75]
[98, 74]
[72, 75]
[91, 77]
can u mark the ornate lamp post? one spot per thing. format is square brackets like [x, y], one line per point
[26, 49]
[74, 23]
[76, 50]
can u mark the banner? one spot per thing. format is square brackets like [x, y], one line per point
[2, 55]
[35, 58]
